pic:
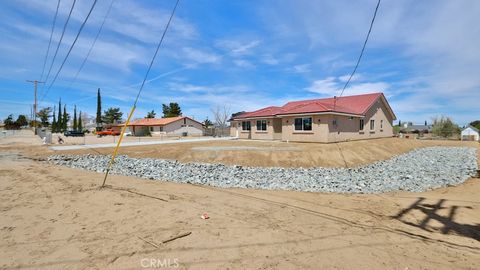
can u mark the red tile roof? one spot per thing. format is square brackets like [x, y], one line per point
[358, 105]
[157, 121]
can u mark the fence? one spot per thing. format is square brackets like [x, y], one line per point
[44, 133]
[217, 131]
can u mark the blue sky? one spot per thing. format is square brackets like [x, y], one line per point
[424, 55]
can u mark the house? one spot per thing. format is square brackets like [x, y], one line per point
[319, 120]
[411, 128]
[470, 134]
[181, 126]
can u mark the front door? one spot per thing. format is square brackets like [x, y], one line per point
[277, 128]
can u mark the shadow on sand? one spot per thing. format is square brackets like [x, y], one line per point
[448, 222]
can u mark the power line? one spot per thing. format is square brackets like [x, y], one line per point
[156, 51]
[50, 41]
[138, 95]
[361, 53]
[60, 41]
[70, 50]
[93, 44]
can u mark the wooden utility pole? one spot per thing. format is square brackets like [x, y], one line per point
[35, 84]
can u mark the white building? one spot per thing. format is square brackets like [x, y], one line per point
[179, 126]
[470, 134]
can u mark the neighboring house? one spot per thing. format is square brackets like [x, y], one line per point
[411, 128]
[180, 125]
[470, 134]
[319, 120]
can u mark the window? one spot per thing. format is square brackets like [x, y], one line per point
[151, 128]
[304, 123]
[261, 125]
[372, 124]
[381, 124]
[184, 121]
[334, 122]
[245, 125]
[362, 124]
[161, 129]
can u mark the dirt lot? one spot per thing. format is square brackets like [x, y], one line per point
[57, 218]
[265, 153]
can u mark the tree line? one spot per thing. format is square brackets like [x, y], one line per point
[60, 117]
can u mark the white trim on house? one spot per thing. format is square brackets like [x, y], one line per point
[321, 113]
[297, 114]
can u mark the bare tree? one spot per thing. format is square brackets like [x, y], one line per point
[221, 115]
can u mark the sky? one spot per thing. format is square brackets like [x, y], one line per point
[245, 55]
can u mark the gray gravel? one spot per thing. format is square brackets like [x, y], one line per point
[416, 171]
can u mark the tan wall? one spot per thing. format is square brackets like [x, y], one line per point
[179, 127]
[319, 132]
[236, 128]
[350, 129]
[175, 128]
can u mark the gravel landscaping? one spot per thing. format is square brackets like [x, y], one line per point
[416, 171]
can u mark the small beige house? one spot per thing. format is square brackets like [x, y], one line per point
[178, 126]
[319, 120]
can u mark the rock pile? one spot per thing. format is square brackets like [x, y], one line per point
[416, 171]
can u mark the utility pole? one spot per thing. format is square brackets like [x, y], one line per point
[35, 84]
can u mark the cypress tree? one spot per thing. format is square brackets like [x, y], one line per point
[80, 124]
[59, 118]
[75, 118]
[54, 121]
[65, 118]
[99, 108]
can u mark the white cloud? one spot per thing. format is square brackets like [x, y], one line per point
[200, 57]
[355, 77]
[269, 60]
[236, 47]
[304, 68]
[243, 63]
[332, 86]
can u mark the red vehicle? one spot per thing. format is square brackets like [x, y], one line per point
[108, 132]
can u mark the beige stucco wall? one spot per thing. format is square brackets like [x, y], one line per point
[318, 133]
[269, 134]
[179, 127]
[350, 129]
[175, 128]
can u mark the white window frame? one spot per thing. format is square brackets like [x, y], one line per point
[303, 124]
[362, 124]
[372, 124]
[262, 126]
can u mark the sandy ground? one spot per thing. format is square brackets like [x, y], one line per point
[57, 218]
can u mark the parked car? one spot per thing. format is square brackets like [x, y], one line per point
[74, 133]
[108, 132]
